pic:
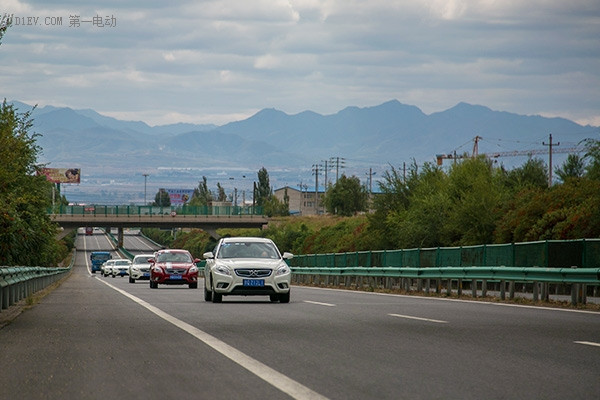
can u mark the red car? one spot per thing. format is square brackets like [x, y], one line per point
[173, 267]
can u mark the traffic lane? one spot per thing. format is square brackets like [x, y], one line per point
[85, 341]
[135, 243]
[336, 346]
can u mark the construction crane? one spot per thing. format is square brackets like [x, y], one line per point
[551, 150]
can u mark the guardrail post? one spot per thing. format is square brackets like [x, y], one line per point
[484, 288]
[574, 290]
[536, 291]
[474, 288]
[503, 290]
[460, 287]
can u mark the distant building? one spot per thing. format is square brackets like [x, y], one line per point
[302, 202]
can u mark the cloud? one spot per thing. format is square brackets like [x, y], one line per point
[220, 59]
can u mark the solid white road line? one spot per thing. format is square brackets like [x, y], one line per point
[418, 318]
[269, 375]
[588, 343]
[319, 303]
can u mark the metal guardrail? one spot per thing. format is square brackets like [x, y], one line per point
[579, 278]
[17, 283]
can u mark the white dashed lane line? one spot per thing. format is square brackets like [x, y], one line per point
[418, 318]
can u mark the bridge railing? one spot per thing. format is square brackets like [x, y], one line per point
[17, 283]
[129, 210]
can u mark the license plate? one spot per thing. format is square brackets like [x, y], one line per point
[175, 276]
[146, 273]
[254, 282]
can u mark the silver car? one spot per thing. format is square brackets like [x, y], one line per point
[140, 267]
[247, 266]
[120, 267]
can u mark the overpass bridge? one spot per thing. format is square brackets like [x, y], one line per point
[207, 218]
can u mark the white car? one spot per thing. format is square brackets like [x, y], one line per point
[106, 268]
[120, 267]
[247, 266]
[140, 267]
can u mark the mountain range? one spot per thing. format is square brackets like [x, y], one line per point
[371, 137]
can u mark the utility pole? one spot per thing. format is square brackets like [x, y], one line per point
[325, 185]
[145, 179]
[339, 163]
[316, 172]
[550, 144]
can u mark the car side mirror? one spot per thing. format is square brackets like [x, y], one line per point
[288, 255]
[208, 254]
[197, 260]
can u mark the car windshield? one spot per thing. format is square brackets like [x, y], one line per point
[174, 257]
[122, 262]
[248, 250]
[100, 256]
[141, 260]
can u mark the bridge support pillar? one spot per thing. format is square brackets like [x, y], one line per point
[120, 237]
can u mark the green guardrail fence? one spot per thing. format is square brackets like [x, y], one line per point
[151, 210]
[575, 263]
[581, 253]
[17, 283]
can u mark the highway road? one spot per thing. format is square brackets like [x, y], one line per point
[98, 338]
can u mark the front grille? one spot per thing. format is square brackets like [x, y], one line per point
[253, 273]
[176, 270]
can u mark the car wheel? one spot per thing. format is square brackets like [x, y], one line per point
[207, 294]
[284, 297]
[274, 297]
[153, 285]
[216, 297]
[194, 285]
[114, 276]
[131, 280]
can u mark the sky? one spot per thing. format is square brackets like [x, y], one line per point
[213, 62]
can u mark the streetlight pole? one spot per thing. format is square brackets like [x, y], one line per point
[145, 179]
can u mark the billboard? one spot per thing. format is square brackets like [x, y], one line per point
[62, 175]
[179, 196]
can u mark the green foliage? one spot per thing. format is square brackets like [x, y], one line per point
[533, 173]
[27, 236]
[263, 189]
[573, 167]
[273, 207]
[346, 197]
[202, 195]
[196, 242]
[164, 238]
[162, 199]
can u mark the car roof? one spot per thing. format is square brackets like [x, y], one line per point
[144, 255]
[246, 239]
[171, 251]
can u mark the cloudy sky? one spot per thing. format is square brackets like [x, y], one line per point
[219, 61]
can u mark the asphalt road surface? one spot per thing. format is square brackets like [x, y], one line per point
[99, 338]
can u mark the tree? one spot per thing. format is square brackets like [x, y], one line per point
[5, 22]
[346, 197]
[162, 199]
[592, 155]
[263, 189]
[27, 235]
[533, 174]
[202, 196]
[573, 167]
[221, 196]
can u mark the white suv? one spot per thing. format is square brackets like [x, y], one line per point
[247, 266]
[140, 267]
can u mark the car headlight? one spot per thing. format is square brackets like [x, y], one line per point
[223, 270]
[135, 269]
[284, 269]
[158, 270]
[193, 270]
